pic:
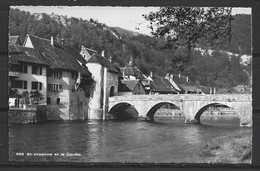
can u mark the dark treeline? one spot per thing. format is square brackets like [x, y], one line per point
[148, 53]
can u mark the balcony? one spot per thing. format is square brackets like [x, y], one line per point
[13, 74]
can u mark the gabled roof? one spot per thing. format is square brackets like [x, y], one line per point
[183, 84]
[14, 40]
[58, 56]
[23, 54]
[130, 84]
[103, 61]
[160, 84]
[132, 71]
[73, 60]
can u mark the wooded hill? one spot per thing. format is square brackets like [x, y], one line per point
[218, 69]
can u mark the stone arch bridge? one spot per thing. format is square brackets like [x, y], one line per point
[192, 105]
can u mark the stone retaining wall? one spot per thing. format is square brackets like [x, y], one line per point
[29, 115]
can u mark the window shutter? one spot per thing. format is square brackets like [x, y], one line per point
[40, 85]
[25, 69]
[25, 84]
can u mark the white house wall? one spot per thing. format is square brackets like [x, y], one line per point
[95, 108]
[59, 111]
[29, 77]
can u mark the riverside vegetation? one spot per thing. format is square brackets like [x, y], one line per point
[229, 149]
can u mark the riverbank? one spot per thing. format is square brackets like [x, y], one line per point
[235, 148]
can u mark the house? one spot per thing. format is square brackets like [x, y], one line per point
[130, 87]
[87, 53]
[183, 84]
[105, 77]
[68, 81]
[131, 72]
[160, 85]
[27, 74]
[14, 40]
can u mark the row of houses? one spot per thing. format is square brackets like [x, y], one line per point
[77, 85]
[133, 82]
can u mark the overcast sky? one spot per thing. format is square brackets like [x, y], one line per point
[129, 18]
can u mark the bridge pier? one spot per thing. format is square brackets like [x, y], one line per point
[244, 111]
[190, 109]
[192, 121]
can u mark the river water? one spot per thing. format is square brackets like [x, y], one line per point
[163, 140]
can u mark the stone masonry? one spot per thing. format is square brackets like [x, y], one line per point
[192, 106]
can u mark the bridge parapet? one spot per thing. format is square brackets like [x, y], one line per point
[185, 97]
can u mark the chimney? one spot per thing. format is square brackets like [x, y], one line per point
[123, 73]
[179, 75]
[131, 62]
[210, 90]
[151, 74]
[103, 53]
[62, 41]
[110, 59]
[214, 91]
[187, 79]
[52, 41]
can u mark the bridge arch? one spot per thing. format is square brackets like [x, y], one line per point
[122, 110]
[204, 108]
[154, 108]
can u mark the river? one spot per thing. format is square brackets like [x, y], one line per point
[163, 140]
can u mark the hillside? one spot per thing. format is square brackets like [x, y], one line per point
[149, 53]
[125, 32]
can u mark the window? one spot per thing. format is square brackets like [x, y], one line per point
[19, 68]
[55, 87]
[73, 75]
[23, 68]
[19, 84]
[37, 70]
[36, 85]
[58, 100]
[54, 73]
[48, 100]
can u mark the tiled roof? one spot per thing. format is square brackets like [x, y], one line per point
[183, 84]
[59, 56]
[103, 61]
[160, 84]
[130, 84]
[23, 54]
[132, 71]
[14, 40]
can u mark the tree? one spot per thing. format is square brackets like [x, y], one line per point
[189, 27]
[25, 96]
[36, 96]
[14, 94]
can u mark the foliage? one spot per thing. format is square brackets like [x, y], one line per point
[189, 26]
[36, 96]
[14, 93]
[25, 96]
[149, 53]
[216, 70]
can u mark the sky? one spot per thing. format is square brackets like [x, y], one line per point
[129, 18]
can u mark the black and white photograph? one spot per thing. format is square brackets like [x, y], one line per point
[114, 84]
